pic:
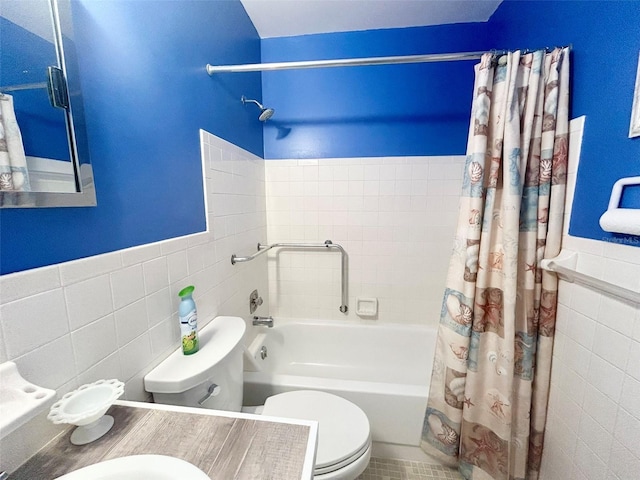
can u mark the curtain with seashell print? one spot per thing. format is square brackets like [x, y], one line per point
[14, 175]
[490, 381]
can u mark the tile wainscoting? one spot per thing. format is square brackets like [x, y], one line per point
[593, 423]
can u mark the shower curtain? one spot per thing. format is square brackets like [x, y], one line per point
[13, 163]
[490, 382]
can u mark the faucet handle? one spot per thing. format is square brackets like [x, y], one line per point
[255, 301]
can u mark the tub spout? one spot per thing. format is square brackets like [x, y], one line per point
[263, 321]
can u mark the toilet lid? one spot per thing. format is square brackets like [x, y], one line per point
[343, 428]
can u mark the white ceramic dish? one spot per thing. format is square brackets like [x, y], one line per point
[86, 408]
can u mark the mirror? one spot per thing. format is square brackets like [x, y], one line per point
[44, 155]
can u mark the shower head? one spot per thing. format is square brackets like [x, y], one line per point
[265, 113]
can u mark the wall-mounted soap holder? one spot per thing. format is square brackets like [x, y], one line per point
[367, 307]
[20, 401]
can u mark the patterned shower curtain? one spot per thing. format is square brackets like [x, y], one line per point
[14, 175]
[490, 381]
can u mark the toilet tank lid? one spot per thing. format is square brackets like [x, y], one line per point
[178, 372]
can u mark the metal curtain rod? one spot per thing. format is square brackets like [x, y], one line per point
[347, 62]
[327, 244]
[24, 86]
[356, 62]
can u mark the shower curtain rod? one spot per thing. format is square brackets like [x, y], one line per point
[359, 62]
[24, 86]
[349, 62]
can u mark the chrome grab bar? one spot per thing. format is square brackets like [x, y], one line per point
[327, 244]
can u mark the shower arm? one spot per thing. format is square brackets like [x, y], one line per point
[328, 244]
[246, 100]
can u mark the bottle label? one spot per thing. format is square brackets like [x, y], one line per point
[188, 331]
[191, 319]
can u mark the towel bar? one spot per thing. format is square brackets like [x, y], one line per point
[565, 266]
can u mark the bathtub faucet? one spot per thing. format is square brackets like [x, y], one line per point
[264, 321]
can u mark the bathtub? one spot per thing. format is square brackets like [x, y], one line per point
[384, 369]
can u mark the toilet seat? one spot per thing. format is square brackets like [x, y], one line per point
[337, 466]
[343, 435]
[349, 472]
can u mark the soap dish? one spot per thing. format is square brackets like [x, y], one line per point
[366, 307]
[86, 408]
[20, 401]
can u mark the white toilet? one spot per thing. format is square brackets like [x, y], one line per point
[212, 378]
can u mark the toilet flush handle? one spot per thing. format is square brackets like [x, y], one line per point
[212, 391]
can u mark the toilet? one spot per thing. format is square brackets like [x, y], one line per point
[212, 378]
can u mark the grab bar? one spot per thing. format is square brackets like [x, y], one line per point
[327, 244]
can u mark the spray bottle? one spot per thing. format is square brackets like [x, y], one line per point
[188, 321]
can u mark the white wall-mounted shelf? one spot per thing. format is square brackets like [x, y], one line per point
[20, 401]
[565, 266]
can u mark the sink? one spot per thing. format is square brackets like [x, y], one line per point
[135, 467]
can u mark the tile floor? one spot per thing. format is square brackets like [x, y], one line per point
[392, 469]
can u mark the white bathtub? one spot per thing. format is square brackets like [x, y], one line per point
[384, 369]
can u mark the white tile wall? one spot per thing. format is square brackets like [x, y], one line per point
[593, 423]
[394, 216]
[594, 418]
[114, 315]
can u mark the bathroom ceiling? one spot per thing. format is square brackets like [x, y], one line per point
[284, 18]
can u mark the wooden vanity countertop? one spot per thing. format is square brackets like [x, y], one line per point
[224, 445]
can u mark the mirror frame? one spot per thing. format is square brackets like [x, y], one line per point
[85, 195]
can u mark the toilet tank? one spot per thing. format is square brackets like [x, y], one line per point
[187, 379]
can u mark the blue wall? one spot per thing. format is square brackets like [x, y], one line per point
[606, 40]
[424, 109]
[414, 109]
[146, 94]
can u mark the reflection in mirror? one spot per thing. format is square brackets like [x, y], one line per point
[44, 158]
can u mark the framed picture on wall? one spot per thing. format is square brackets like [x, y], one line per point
[634, 129]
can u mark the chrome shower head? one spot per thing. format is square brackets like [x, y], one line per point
[265, 113]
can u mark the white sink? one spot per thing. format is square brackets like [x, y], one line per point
[135, 467]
